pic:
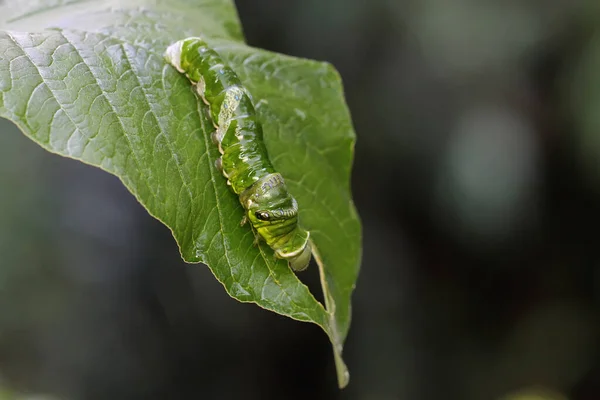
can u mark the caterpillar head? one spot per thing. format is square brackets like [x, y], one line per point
[289, 241]
[300, 261]
[273, 213]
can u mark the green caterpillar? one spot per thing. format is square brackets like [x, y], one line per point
[269, 206]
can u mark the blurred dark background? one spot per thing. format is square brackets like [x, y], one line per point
[477, 178]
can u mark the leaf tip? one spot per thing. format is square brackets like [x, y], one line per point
[343, 375]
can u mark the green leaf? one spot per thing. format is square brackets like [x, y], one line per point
[87, 80]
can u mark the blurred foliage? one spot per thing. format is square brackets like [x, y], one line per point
[477, 183]
[534, 394]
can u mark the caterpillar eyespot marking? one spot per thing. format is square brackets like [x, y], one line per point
[269, 207]
[263, 215]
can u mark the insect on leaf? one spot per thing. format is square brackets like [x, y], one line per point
[87, 80]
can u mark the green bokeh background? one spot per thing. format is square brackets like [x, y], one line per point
[478, 183]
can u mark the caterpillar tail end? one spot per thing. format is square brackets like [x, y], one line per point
[173, 55]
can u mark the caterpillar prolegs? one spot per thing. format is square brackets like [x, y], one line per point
[269, 207]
